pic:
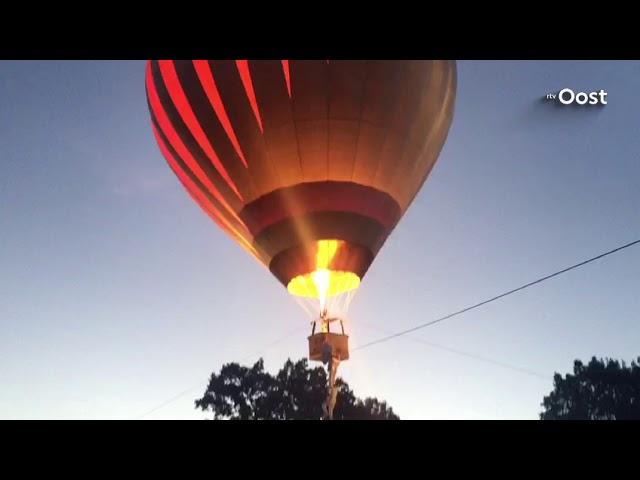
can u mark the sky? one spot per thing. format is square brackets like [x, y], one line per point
[117, 294]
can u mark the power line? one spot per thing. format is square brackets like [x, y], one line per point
[471, 355]
[275, 342]
[493, 299]
[433, 322]
[193, 387]
[167, 402]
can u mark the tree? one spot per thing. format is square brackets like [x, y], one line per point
[297, 392]
[602, 390]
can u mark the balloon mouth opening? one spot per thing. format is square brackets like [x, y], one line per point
[323, 284]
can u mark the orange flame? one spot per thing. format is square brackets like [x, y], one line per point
[323, 282]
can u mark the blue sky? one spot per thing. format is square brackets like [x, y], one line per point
[117, 293]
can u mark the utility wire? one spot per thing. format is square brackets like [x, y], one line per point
[493, 299]
[193, 387]
[272, 344]
[469, 355]
[171, 400]
[433, 322]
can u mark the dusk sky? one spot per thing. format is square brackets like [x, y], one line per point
[117, 293]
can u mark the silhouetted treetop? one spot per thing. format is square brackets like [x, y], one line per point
[296, 392]
[602, 390]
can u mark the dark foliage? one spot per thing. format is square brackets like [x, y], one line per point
[602, 390]
[297, 392]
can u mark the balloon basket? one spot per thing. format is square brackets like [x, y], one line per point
[326, 345]
[319, 343]
[329, 348]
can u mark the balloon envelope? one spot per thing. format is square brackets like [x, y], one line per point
[308, 165]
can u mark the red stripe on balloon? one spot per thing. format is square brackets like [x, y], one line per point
[196, 193]
[177, 144]
[193, 189]
[179, 99]
[247, 83]
[209, 85]
[285, 69]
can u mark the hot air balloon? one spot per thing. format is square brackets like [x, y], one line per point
[307, 164]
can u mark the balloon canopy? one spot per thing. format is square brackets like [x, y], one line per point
[308, 165]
